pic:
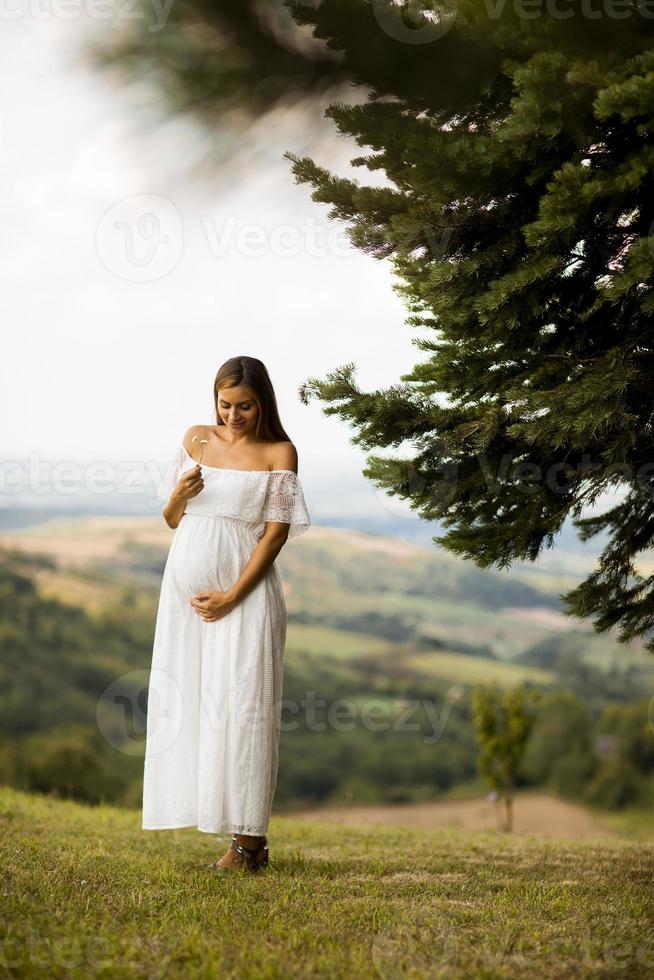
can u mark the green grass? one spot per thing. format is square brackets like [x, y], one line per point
[87, 893]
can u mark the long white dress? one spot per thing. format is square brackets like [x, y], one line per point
[215, 688]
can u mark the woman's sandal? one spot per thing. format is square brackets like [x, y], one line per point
[253, 858]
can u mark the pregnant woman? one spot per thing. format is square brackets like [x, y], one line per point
[215, 686]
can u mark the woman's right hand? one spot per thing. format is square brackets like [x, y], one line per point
[189, 484]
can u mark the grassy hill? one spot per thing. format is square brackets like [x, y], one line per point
[87, 893]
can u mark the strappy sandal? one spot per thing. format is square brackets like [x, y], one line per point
[253, 858]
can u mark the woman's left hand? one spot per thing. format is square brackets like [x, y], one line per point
[213, 605]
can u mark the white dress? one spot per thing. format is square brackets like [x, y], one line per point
[215, 688]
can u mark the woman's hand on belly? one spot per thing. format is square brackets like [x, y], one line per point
[213, 605]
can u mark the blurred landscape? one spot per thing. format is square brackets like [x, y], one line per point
[401, 632]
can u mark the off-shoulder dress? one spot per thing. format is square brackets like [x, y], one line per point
[215, 688]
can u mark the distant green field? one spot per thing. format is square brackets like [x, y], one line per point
[326, 641]
[507, 635]
[475, 670]
[321, 641]
[343, 574]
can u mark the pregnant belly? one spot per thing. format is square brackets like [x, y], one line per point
[207, 554]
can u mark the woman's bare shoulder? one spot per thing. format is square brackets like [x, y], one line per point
[283, 456]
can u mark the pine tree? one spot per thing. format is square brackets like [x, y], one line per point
[224, 65]
[518, 217]
[516, 142]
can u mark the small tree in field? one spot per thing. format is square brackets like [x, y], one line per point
[503, 723]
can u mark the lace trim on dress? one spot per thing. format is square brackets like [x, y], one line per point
[284, 502]
[248, 830]
[251, 496]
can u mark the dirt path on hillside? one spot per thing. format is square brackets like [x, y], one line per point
[534, 813]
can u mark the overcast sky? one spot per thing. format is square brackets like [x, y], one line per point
[127, 281]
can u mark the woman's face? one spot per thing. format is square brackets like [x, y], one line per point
[237, 409]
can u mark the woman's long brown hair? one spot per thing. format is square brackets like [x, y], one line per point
[252, 372]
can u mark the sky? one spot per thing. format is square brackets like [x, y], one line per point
[128, 278]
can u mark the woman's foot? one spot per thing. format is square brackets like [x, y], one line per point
[232, 857]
